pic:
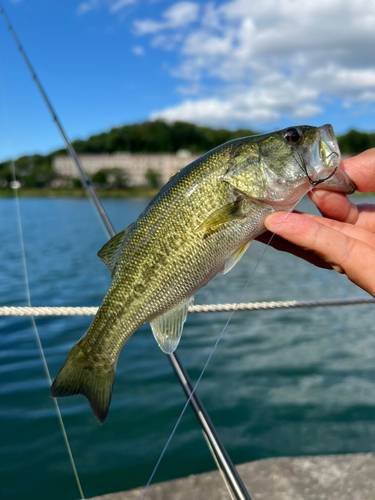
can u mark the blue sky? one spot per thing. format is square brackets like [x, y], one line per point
[235, 63]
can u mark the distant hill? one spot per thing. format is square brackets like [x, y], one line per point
[355, 142]
[158, 137]
[162, 137]
[150, 137]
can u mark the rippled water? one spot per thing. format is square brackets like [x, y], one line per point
[280, 383]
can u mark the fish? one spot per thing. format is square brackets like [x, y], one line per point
[199, 224]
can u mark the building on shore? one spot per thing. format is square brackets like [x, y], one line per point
[134, 164]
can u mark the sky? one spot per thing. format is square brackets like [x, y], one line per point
[262, 65]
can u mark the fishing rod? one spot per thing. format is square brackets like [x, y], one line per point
[232, 479]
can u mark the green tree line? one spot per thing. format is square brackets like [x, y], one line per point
[158, 137]
[355, 142]
[33, 171]
[149, 137]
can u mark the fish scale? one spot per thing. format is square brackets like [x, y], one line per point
[199, 224]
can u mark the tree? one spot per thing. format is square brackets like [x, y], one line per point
[111, 178]
[31, 171]
[355, 142]
[153, 178]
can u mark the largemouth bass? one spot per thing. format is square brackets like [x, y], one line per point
[199, 224]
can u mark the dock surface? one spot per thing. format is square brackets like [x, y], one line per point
[331, 477]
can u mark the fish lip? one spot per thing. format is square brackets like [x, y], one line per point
[328, 139]
[340, 182]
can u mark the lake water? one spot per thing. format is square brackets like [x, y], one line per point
[281, 383]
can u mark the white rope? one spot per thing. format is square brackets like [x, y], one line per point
[250, 306]
[48, 311]
[289, 304]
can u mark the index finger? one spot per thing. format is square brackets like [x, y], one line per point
[361, 170]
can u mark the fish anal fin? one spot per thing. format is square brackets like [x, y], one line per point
[111, 251]
[167, 329]
[231, 211]
[236, 257]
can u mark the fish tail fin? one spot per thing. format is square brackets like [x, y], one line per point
[80, 375]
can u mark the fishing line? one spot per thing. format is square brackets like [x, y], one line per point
[303, 166]
[214, 348]
[37, 336]
[104, 220]
[101, 214]
[28, 298]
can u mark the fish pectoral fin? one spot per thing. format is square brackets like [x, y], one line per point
[236, 257]
[110, 252]
[227, 213]
[167, 329]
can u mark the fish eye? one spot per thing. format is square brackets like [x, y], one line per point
[293, 135]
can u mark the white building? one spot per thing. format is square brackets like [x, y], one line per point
[135, 164]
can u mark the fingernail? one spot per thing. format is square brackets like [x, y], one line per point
[274, 222]
[318, 193]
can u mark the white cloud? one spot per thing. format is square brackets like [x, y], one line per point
[113, 6]
[192, 89]
[344, 79]
[255, 105]
[179, 15]
[120, 4]
[167, 43]
[215, 112]
[147, 26]
[138, 50]
[266, 60]
[367, 96]
[85, 7]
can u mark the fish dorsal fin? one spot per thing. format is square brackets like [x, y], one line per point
[110, 252]
[224, 214]
[167, 329]
[236, 257]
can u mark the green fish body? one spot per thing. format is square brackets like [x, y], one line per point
[199, 224]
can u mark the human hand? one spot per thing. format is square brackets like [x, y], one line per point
[344, 238]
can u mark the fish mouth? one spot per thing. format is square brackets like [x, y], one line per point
[330, 157]
[339, 181]
[329, 151]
